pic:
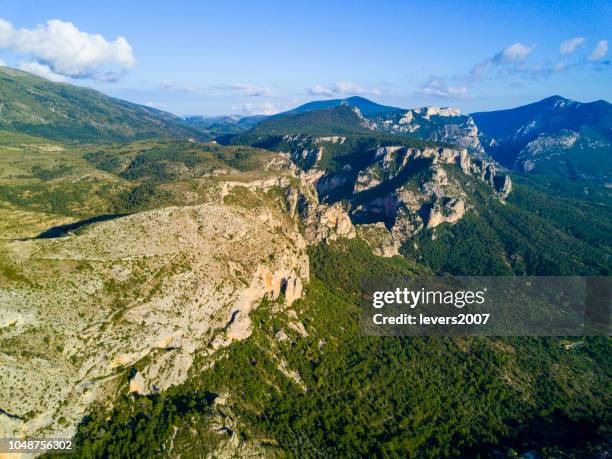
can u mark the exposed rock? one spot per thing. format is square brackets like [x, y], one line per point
[137, 384]
[293, 290]
[425, 123]
[450, 211]
[328, 223]
[281, 336]
[165, 282]
[321, 222]
[379, 239]
[503, 186]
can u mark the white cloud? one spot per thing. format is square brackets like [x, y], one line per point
[341, 88]
[569, 46]
[2, 63]
[345, 88]
[246, 89]
[600, 51]
[318, 90]
[437, 87]
[517, 52]
[507, 61]
[265, 108]
[69, 52]
[236, 89]
[174, 86]
[42, 70]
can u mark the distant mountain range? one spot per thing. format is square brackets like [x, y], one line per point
[225, 124]
[555, 136]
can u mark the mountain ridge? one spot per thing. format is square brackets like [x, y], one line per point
[61, 111]
[555, 136]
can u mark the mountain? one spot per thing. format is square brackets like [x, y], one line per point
[221, 125]
[409, 196]
[206, 299]
[553, 136]
[357, 114]
[340, 119]
[365, 106]
[60, 111]
[436, 124]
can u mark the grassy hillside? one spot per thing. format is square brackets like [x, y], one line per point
[59, 111]
[46, 184]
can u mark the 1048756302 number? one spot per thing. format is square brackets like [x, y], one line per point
[36, 445]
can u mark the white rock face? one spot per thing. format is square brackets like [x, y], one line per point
[449, 212]
[327, 223]
[438, 198]
[428, 112]
[154, 287]
[436, 124]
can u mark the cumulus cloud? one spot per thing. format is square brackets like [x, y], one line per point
[341, 89]
[600, 51]
[241, 89]
[569, 46]
[265, 108]
[67, 51]
[42, 70]
[318, 90]
[437, 87]
[2, 63]
[516, 61]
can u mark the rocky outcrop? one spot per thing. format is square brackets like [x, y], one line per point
[436, 124]
[380, 240]
[446, 211]
[147, 290]
[404, 205]
[320, 222]
[503, 186]
[327, 223]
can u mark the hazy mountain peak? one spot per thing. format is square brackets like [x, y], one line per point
[365, 106]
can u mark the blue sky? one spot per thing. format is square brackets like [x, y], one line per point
[265, 56]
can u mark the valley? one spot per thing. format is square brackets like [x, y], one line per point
[190, 287]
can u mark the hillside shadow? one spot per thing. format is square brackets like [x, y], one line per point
[63, 230]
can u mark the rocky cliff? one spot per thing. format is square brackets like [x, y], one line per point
[436, 124]
[402, 187]
[140, 295]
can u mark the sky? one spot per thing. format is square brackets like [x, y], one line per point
[213, 58]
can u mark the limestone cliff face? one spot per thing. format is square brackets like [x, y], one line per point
[405, 188]
[321, 222]
[449, 210]
[437, 124]
[151, 291]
